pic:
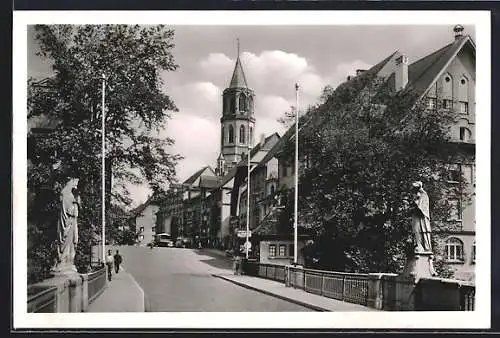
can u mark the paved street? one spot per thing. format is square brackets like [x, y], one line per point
[175, 279]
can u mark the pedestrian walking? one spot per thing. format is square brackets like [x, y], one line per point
[109, 263]
[118, 261]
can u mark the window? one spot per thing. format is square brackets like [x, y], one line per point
[454, 250]
[292, 169]
[464, 107]
[431, 103]
[272, 250]
[242, 102]
[474, 253]
[141, 237]
[242, 134]
[250, 135]
[153, 229]
[282, 250]
[142, 229]
[465, 134]
[291, 250]
[447, 104]
[455, 213]
[231, 134]
[222, 135]
[447, 79]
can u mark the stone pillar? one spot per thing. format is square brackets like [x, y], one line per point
[405, 293]
[377, 293]
[75, 293]
[62, 294]
[85, 292]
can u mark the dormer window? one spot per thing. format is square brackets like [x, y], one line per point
[447, 104]
[431, 103]
[464, 107]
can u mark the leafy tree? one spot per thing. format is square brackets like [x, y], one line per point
[361, 148]
[133, 58]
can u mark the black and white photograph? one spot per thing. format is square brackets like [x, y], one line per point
[238, 169]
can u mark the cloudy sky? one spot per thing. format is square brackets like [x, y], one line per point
[274, 58]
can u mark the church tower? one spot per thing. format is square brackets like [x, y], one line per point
[237, 121]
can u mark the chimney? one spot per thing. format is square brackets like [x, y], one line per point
[360, 71]
[401, 73]
[262, 139]
[458, 30]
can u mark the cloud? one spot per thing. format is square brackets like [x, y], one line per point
[270, 73]
[217, 63]
[196, 138]
[342, 70]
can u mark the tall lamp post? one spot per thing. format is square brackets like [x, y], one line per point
[103, 168]
[248, 202]
[295, 221]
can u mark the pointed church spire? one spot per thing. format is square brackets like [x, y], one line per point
[238, 80]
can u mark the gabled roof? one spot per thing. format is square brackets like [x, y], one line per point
[151, 200]
[238, 80]
[423, 73]
[191, 179]
[209, 182]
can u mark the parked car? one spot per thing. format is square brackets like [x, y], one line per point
[164, 239]
[182, 242]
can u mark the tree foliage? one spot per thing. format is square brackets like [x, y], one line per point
[361, 148]
[133, 59]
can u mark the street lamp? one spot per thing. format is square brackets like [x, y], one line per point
[248, 202]
[103, 168]
[296, 172]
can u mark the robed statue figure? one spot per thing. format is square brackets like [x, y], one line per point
[67, 227]
[421, 219]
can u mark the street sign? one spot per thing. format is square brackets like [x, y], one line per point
[243, 234]
[248, 245]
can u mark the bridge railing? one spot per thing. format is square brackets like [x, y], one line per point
[96, 283]
[384, 291]
[349, 287]
[42, 299]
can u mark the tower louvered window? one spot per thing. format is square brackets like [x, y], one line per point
[242, 134]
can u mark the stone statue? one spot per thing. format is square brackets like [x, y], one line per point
[67, 228]
[422, 262]
[421, 220]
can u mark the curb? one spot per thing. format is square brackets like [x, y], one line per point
[145, 303]
[272, 294]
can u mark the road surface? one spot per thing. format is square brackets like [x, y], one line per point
[175, 279]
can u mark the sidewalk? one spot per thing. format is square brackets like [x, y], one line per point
[297, 296]
[122, 294]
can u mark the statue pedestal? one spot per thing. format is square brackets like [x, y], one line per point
[71, 289]
[420, 266]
